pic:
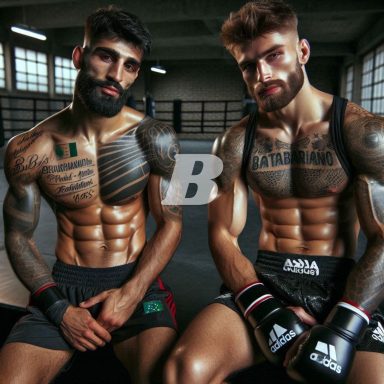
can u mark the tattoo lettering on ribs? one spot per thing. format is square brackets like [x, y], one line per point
[308, 167]
[123, 169]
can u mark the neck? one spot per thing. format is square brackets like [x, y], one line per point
[90, 123]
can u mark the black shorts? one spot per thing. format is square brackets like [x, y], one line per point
[315, 283]
[157, 309]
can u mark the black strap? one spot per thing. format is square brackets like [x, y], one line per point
[339, 105]
[249, 137]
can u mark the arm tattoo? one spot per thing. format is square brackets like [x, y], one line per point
[21, 213]
[365, 144]
[230, 151]
[23, 164]
[161, 148]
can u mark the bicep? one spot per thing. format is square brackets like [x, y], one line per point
[369, 193]
[158, 188]
[228, 212]
[22, 208]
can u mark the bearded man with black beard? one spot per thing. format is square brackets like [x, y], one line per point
[102, 166]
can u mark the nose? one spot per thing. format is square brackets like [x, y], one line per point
[264, 72]
[116, 71]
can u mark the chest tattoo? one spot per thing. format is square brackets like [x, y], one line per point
[307, 167]
[123, 169]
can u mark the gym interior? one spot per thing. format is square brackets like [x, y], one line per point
[188, 81]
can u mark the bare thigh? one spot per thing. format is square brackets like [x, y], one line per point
[144, 355]
[368, 367]
[216, 344]
[29, 364]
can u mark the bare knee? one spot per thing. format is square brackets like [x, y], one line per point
[186, 367]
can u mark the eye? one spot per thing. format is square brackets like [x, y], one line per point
[105, 57]
[274, 56]
[131, 67]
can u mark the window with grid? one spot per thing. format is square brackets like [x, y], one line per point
[372, 90]
[31, 70]
[65, 75]
[2, 67]
[349, 83]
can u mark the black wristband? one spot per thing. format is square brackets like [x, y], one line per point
[56, 311]
[51, 301]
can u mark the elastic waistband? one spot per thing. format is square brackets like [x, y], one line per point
[111, 277]
[321, 267]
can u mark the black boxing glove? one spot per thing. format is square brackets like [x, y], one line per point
[326, 355]
[275, 327]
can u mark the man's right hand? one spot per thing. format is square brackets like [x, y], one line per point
[82, 331]
[275, 326]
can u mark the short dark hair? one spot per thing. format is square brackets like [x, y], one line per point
[112, 22]
[257, 18]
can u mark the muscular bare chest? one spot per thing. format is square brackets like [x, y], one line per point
[80, 174]
[307, 166]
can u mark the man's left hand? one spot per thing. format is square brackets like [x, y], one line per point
[117, 308]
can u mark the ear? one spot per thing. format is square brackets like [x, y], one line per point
[77, 56]
[304, 51]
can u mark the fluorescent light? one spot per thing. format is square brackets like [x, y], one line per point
[158, 69]
[28, 32]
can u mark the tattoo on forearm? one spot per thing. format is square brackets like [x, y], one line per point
[27, 263]
[366, 282]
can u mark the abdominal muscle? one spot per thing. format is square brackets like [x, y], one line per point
[320, 226]
[100, 235]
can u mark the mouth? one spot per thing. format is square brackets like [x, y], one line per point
[110, 91]
[269, 91]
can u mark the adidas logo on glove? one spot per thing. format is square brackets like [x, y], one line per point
[301, 266]
[279, 336]
[327, 356]
[378, 333]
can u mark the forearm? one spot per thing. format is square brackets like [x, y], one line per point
[234, 267]
[156, 254]
[27, 261]
[365, 285]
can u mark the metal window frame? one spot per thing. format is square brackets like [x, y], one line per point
[373, 83]
[36, 61]
[62, 77]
